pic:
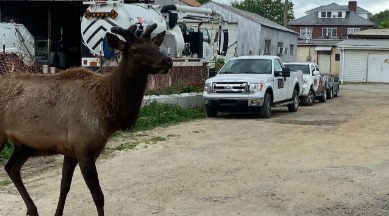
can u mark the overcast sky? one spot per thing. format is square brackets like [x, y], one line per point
[300, 6]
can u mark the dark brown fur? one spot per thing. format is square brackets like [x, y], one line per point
[75, 112]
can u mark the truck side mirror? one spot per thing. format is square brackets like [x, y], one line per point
[285, 72]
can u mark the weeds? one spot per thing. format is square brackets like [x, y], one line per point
[5, 182]
[7, 151]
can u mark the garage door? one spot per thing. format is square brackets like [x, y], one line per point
[325, 63]
[378, 68]
[355, 66]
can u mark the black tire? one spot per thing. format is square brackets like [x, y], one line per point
[293, 107]
[309, 100]
[210, 112]
[330, 93]
[336, 94]
[323, 98]
[265, 111]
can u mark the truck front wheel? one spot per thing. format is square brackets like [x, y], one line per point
[265, 111]
[294, 106]
[210, 112]
[309, 100]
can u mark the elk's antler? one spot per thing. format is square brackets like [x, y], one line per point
[150, 28]
[127, 34]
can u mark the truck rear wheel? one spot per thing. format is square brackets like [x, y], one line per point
[294, 106]
[210, 112]
[265, 111]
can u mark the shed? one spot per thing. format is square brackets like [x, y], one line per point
[365, 57]
[256, 35]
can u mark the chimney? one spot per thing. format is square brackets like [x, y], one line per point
[352, 6]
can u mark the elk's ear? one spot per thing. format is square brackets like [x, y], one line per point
[157, 40]
[114, 42]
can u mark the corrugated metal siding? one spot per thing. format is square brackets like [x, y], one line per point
[355, 66]
[252, 34]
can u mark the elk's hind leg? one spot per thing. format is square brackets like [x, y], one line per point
[69, 164]
[13, 166]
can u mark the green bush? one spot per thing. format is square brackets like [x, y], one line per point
[7, 151]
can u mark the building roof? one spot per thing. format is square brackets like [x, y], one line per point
[351, 19]
[364, 44]
[254, 17]
[334, 6]
[319, 42]
[374, 32]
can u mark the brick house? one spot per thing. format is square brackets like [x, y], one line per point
[323, 27]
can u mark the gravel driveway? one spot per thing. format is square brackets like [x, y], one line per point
[328, 159]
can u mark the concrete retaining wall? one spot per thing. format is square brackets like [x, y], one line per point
[185, 100]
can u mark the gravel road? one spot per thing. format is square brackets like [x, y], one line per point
[328, 159]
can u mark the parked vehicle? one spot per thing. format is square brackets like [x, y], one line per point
[314, 86]
[332, 85]
[253, 84]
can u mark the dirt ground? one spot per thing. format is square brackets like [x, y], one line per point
[328, 159]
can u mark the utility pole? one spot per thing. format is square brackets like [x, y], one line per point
[286, 9]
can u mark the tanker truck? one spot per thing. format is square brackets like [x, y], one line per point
[186, 37]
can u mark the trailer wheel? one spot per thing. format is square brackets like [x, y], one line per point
[324, 97]
[265, 111]
[293, 107]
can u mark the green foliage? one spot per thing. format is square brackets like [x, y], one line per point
[160, 114]
[381, 19]
[203, 1]
[270, 9]
[5, 182]
[7, 152]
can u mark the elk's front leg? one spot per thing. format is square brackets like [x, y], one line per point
[89, 172]
[69, 164]
[13, 166]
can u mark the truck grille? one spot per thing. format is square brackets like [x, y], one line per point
[230, 87]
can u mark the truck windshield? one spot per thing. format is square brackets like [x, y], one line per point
[249, 66]
[295, 67]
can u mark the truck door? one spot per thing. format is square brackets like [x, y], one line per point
[281, 84]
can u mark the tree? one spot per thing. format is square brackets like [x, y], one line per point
[381, 19]
[270, 9]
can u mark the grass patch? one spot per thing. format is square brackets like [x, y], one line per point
[7, 151]
[5, 182]
[160, 114]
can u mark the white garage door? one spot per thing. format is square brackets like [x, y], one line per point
[325, 63]
[355, 66]
[378, 68]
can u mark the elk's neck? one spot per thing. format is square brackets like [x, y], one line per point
[125, 90]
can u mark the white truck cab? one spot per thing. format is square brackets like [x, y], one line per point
[313, 87]
[253, 84]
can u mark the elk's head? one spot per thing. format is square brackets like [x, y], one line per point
[142, 50]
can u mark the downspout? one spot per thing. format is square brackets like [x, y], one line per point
[342, 67]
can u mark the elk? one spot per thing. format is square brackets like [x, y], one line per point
[74, 112]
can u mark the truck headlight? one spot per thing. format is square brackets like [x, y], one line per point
[207, 88]
[255, 87]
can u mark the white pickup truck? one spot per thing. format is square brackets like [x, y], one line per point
[314, 86]
[253, 84]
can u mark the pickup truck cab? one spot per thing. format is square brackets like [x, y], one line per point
[314, 86]
[253, 84]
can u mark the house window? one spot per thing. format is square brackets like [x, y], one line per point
[291, 49]
[306, 33]
[326, 14]
[337, 57]
[280, 48]
[286, 51]
[340, 14]
[329, 32]
[266, 51]
[353, 30]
